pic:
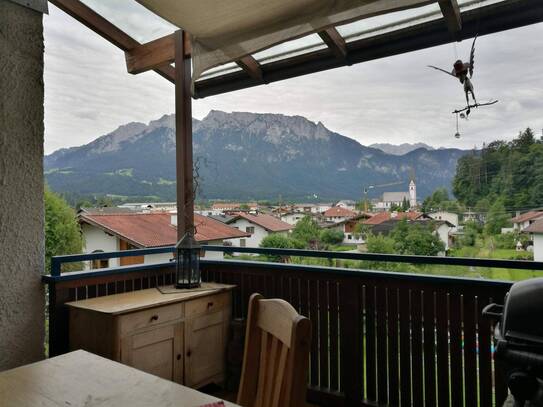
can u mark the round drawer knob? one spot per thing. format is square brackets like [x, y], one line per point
[154, 318]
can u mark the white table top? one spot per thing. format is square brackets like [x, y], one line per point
[82, 379]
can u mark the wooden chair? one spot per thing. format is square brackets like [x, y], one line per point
[276, 356]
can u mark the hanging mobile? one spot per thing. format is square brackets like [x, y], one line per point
[463, 71]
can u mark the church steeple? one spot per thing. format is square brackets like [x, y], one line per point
[412, 193]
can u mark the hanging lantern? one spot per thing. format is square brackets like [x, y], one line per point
[187, 268]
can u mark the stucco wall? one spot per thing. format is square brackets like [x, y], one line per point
[21, 186]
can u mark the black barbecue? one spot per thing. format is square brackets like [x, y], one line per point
[519, 340]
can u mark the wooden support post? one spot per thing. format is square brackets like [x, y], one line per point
[183, 138]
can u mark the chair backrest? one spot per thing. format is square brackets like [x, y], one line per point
[276, 355]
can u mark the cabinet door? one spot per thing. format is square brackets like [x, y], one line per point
[205, 348]
[157, 351]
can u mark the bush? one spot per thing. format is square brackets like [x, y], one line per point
[331, 237]
[278, 241]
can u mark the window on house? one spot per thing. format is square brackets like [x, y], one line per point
[349, 237]
[242, 242]
[250, 229]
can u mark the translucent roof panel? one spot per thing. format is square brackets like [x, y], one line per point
[292, 48]
[131, 17]
[373, 26]
[220, 70]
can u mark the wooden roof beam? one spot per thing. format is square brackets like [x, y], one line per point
[333, 39]
[252, 67]
[452, 15]
[154, 54]
[88, 17]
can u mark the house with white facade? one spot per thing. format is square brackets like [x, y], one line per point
[536, 230]
[338, 214]
[450, 217]
[257, 227]
[347, 204]
[109, 230]
[292, 218]
[522, 221]
[348, 228]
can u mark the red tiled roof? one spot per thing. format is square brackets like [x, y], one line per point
[155, 229]
[536, 227]
[339, 211]
[527, 216]
[268, 222]
[384, 216]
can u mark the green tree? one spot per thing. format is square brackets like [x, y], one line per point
[405, 204]
[497, 218]
[62, 233]
[307, 231]
[471, 232]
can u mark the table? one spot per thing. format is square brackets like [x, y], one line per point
[82, 379]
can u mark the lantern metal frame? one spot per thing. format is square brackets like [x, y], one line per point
[187, 267]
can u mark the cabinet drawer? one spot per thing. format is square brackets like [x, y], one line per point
[207, 304]
[150, 317]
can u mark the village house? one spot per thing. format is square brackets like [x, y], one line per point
[450, 217]
[347, 204]
[522, 221]
[257, 227]
[292, 218]
[337, 214]
[536, 230]
[112, 229]
[348, 228]
[442, 228]
[381, 217]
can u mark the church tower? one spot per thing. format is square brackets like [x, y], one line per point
[412, 193]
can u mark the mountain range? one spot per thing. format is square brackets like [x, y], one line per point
[399, 149]
[244, 156]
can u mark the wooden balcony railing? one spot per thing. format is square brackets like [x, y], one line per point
[379, 338]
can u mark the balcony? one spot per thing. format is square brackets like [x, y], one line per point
[379, 338]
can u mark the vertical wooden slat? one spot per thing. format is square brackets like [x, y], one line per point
[382, 362]
[417, 376]
[314, 317]
[334, 332]
[102, 290]
[129, 285]
[405, 346]
[81, 293]
[457, 379]
[393, 354]
[350, 332]
[485, 366]
[323, 333]
[92, 291]
[442, 348]
[429, 348]
[470, 351]
[295, 288]
[371, 380]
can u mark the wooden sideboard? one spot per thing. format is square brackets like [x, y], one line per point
[179, 335]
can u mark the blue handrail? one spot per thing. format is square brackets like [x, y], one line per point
[57, 261]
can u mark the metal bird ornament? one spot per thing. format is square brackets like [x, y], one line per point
[463, 71]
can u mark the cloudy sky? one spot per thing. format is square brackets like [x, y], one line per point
[394, 100]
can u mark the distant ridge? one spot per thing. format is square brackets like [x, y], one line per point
[400, 149]
[242, 156]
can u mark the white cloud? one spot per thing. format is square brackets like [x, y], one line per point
[395, 100]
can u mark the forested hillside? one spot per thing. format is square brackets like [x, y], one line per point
[511, 172]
